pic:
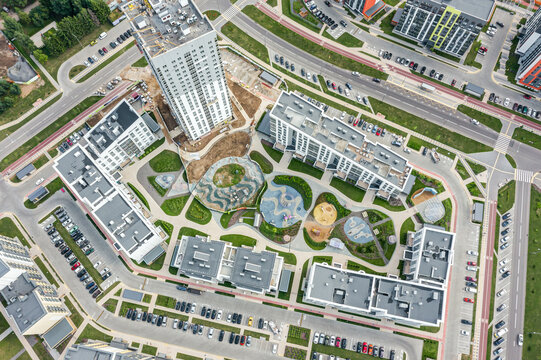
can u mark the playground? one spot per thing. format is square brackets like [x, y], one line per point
[325, 214]
[358, 231]
[282, 206]
[317, 232]
[423, 195]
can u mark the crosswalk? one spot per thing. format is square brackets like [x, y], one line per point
[502, 143]
[230, 13]
[523, 175]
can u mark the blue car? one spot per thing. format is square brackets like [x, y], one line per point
[92, 283]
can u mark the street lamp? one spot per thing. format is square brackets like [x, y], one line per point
[82, 47]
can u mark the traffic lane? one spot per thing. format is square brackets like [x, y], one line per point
[67, 101]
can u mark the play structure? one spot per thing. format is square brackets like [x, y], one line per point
[357, 230]
[423, 194]
[281, 205]
[325, 213]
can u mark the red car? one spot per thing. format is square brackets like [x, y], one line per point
[333, 86]
[242, 340]
[69, 142]
[526, 96]
[469, 278]
[483, 48]
[77, 264]
[453, 83]
[365, 348]
[337, 343]
[468, 300]
[105, 50]
[472, 263]
[370, 349]
[356, 122]
[378, 132]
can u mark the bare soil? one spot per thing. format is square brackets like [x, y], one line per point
[317, 232]
[238, 118]
[168, 118]
[27, 89]
[134, 74]
[421, 198]
[249, 102]
[7, 58]
[236, 144]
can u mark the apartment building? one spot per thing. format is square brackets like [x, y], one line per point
[529, 50]
[449, 26]
[216, 261]
[119, 217]
[181, 47]
[99, 350]
[119, 137]
[367, 8]
[304, 129]
[15, 260]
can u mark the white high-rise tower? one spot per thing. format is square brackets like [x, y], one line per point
[181, 48]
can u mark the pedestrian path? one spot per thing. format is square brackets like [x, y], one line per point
[502, 143]
[523, 175]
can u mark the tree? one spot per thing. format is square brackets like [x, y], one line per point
[39, 16]
[61, 8]
[11, 26]
[101, 9]
[40, 56]
[53, 45]
[15, 90]
[24, 18]
[4, 87]
[93, 17]
[15, 3]
[25, 42]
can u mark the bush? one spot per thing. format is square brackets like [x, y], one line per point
[262, 161]
[331, 199]
[198, 213]
[298, 184]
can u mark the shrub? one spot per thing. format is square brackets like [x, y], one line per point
[298, 184]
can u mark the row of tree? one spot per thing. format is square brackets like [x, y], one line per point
[8, 93]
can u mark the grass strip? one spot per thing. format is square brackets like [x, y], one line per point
[139, 195]
[106, 62]
[216, 325]
[485, 119]
[289, 258]
[527, 137]
[239, 240]
[256, 334]
[45, 271]
[248, 43]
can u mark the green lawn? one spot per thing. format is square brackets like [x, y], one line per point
[3, 324]
[152, 181]
[41, 351]
[110, 305]
[532, 342]
[489, 121]
[125, 305]
[350, 190]
[297, 165]
[239, 240]
[45, 271]
[461, 170]
[216, 325]
[295, 353]
[472, 54]
[511, 161]
[75, 315]
[511, 65]
[174, 205]
[309, 21]
[342, 353]
[91, 332]
[139, 195]
[428, 128]
[314, 245]
[148, 349]
[10, 346]
[289, 258]
[166, 301]
[156, 265]
[416, 144]
[445, 222]
[351, 265]
[187, 357]
[166, 161]
[407, 225]
[298, 335]
[527, 137]
[476, 168]
[74, 71]
[256, 335]
[53, 187]
[273, 153]
[212, 14]
[345, 39]
[262, 161]
[506, 197]
[198, 213]
[39, 162]
[309, 46]
[187, 231]
[142, 62]
[48, 131]
[156, 144]
[247, 42]
[386, 205]
[473, 189]
[9, 229]
[167, 227]
[225, 218]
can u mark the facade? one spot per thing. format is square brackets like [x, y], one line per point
[109, 204]
[15, 260]
[98, 350]
[181, 47]
[448, 26]
[33, 305]
[529, 50]
[302, 128]
[215, 261]
[119, 137]
[367, 8]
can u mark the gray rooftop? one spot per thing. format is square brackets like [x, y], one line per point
[436, 254]
[26, 310]
[340, 136]
[408, 300]
[57, 333]
[38, 194]
[200, 257]
[341, 287]
[480, 9]
[167, 24]
[112, 126]
[132, 295]
[268, 77]
[25, 171]
[83, 176]
[285, 279]
[474, 89]
[152, 125]
[124, 223]
[251, 270]
[103, 351]
[4, 269]
[478, 211]
[153, 254]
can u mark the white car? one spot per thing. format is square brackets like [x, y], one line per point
[503, 269]
[175, 324]
[359, 99]
[40, 181]
[219, 316]
[501, 292]
[228, 317]
[86, 63]
[474, 122]
[192, 310]
[473, 253]
[308, 76]
[211, 333]
[464, 332]
[506, 102]
[471, 268]
[104, 271]
[316, 338]
[520, 340]
[274, 348]
[355, 73]
[503, 262]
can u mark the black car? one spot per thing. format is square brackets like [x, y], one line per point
[72, 262]
[213, 315]
[207, 315]
[471, 284]
[500, 324]
[415, 66]
[134, 315]
[180, 324]
[128, 315]
[149, 318]
[505, 274]
[66, 249]
[343, 23]
[334, 26]
[239, 319]
[84, 277]
[94, 288]
[203, 311]
[100, 51]
[106, 276]
[500, 24]
[112, 44]
[440, 78]
[466, 322]
[96, 294]
[194, 329]
[276, 58]
[432, 73]
[235, 315]
[159, 322]
[119, 40]
[425, 151]
[506, 223]
[177, 305]
[505, 232]
[491, 97]
[183, 306]
[340, 89]
[144, 317]
[59, 211]
[188, 307]
[260, 323]
[281, 60]
[58, 243]
[348, 85]
[66, 255]
[344, 343]
[498, 341]
[126, 35]
[423, 69]
[237, 339]
[231, 338]
[221, 336]
[376, 80]
[506, 216]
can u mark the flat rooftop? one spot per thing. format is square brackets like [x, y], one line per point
[200, 257]
[165, 24]
[112, 126]
[343, 138]
[481, 9]
[436, 254]
[251, 270]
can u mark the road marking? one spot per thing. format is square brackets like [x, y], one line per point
[523, 175]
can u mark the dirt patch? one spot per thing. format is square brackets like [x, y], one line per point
[239, 119]
[7, 58]
[167, 116]
[236, 144]
[249, 102]
[325, 213]
[317, 232]
[27, 89]
[136, 74]
[422, 197]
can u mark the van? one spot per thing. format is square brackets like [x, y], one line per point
[500, 332]
[472, 290]
[103, 35]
